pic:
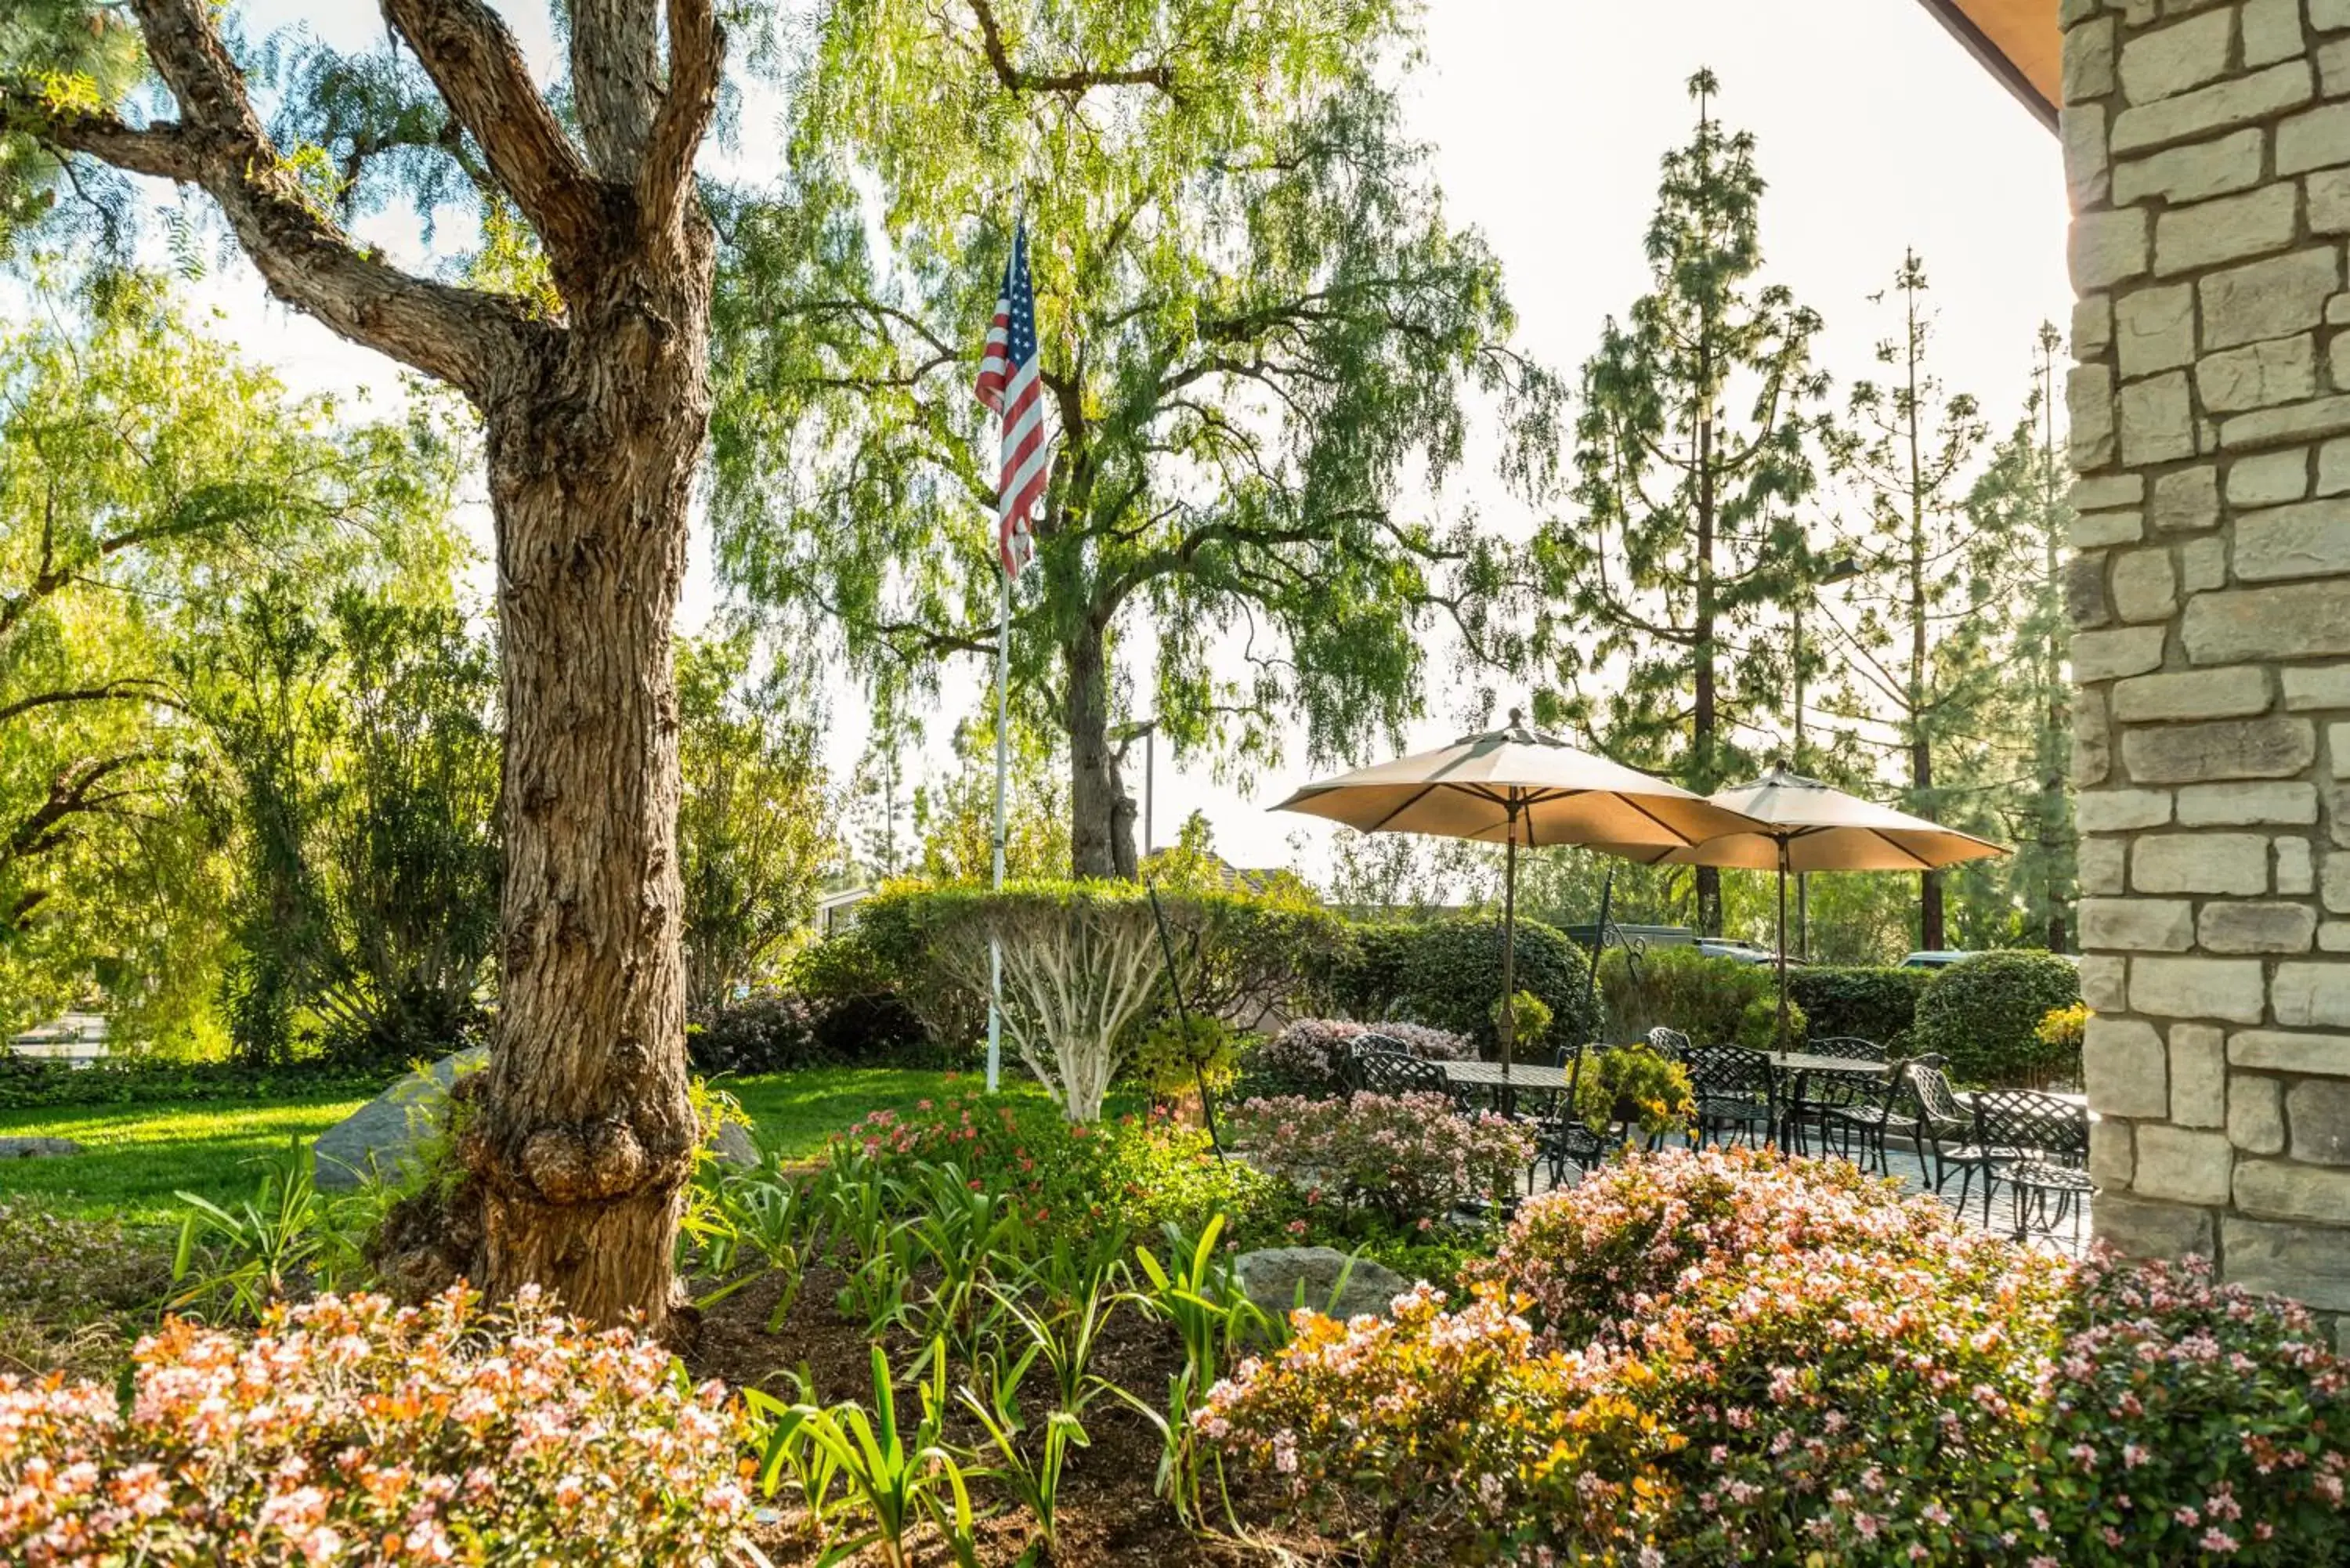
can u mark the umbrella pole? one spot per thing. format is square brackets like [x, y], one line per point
[1783, 944]
[1507, 1026]
[1591, 984]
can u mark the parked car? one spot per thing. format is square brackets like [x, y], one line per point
[1936, 958]
[1736, 948]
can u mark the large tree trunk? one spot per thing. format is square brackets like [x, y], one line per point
[1101, 817]
[1705, 762]
[586, 1137]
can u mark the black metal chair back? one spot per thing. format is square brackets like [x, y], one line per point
[1938, 1104]
[2027, 1121]
[1727, 1071]
[1669, 1043]
[1399, 1073]
[1852, 1047]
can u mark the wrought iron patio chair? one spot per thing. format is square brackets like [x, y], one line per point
[1736, 1093]
[2039, 1145]
[1818, 1097]
[1669, 1043]
[1401, 1072]
[1879, 1105]
[1946, 1132]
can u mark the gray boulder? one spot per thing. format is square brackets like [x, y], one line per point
[379, 1137]
[1270, 1278]
[37, 1147]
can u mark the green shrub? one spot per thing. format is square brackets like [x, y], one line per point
[29, 1083]
[1867, 1001]
[767, 1032]
[1679, 988]
[1758, 1025]
[1984, 1014]
[1448, 974]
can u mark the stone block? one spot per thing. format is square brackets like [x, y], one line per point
[2324, 686]
[2198, 988]
[2273, 1190]
[2294, 421]
[2089, 405]
[2088, 166]
[2311, 995]
[2318, 1112]
[2236, 692]
[2092, 745]
[2138, 924]
[2333, 468]
[2310, 1263]
[2271, 31]
[2325, 200]
[2269, 479]
[2272, 748]
[2275, 1050]
[2307, 539]
[2334, 68]
[2105, 655]
[2198, 1075]
[2255, 1116]
[2234, 862]
[2099, 867]
[2154, 329]
[2188, 239]
[2247, 805]
[2120, 810]
[2109, 1153]
[2329, 15]
[2100, 491]
[2108, 247]
[2089, 55]
[2318, 139]
[2145, 585]
[2164, 62]
[2266, 928]
[2202, 565]
[2092, 326]
[2187, 500]
[2293, 875]
[2139, 1229]
[2334, 937]
[2294, 620]
[2154, 419]
[2105, 981]
[2085, 590]
[2337, 886]
[2125, 1068]
[2258, 374]
[2184, 1165]
[2273, 298]
[2194, 172]
[2096, 530]
[2244, 99]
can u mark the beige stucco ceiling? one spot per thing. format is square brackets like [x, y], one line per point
[2017, 41]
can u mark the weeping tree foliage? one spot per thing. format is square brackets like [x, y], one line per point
[753, 830]
[147, 476]
[1922, 652]
[1258, 332]
[1690, 465]
[579, 334]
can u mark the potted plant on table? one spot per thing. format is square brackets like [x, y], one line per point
[1634, 1086]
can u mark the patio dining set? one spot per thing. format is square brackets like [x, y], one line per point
[1839, 1096]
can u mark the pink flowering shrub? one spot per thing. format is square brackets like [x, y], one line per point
[2190, 1422]
[1303, 1058]
[1407, 1157]
[1814, 1371]
[1592, 1256]
[347, 1431]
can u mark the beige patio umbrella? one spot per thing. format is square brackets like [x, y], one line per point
[1803, 826]
[1518, 785]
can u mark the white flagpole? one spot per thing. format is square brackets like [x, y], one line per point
[1003, 727]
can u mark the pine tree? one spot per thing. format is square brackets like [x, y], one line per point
[1923, 653]
[1690, 460]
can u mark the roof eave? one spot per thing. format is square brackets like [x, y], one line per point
[1952, 14]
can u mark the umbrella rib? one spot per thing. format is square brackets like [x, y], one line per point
[1682, 838]
[1424, 792]
[1923, 864]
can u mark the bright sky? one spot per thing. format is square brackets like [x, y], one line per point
[1875, 130]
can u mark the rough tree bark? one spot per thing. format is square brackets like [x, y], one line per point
[1101, 817]
[595, 425]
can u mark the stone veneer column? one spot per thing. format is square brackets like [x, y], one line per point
[2208, 150]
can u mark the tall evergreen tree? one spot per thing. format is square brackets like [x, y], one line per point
[1692, 461]
[1257, 334]
[2021, 499]
[1922, 652]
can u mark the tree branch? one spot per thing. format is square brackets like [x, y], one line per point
[697, 48]
[480, 71]
[1014, 79]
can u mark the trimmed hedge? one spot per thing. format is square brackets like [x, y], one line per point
[1706, 998]
[30, 1082]
[1984, 1015]
[1448, 974]
[1874, 1002]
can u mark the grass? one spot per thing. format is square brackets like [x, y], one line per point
[136, 1157]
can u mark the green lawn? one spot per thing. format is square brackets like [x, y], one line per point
[137, 1157]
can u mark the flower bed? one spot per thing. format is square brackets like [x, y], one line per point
[1725, 1357]
[349, 1431]
[1303, 1058]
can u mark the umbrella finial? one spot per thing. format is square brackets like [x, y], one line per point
[1517, 718]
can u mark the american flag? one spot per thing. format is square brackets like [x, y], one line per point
[1009, 386]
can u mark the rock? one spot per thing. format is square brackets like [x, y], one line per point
[1270, 1278]
[377, 1138]
[37, 1147]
